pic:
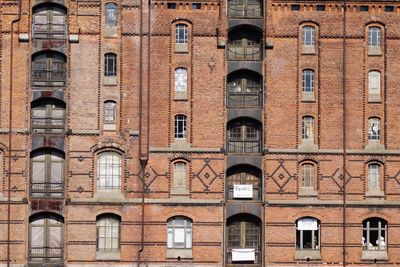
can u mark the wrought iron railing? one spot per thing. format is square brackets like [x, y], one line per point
[256, 193]
[49, 31]
[241, 11]
[47, 189]
[250, 52]
[253, 146]
[46, 255]
[48, 125]
[244, 100]
[257, 260]
[48, 78]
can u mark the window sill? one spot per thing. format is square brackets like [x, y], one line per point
[307, 97]
[108, 255]
[376, 192]
[183, 253]
[180, 144]
[374, 146]
[308, 50]
[308, 145]
[374, 51]
[181, 48]
[180, 96]
[374, 255]
[308, 192]
[110, 80]
[307, 254]
[109, 195]
[179, 191]
[109, 127]
[374, 98]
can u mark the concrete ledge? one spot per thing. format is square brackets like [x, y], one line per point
[172, 201]
[185, 149]
[374, 254]
[308, 192]
[109, 196]
[331, 151]
[307, 97]
[374, 51]
[108, 255]
[85, 132]
[308, 50]
[307, 254]
[183, 253]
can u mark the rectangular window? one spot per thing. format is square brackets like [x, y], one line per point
[374, 129]
[108, 234]
[171, 5]
[180, 126]
[308, 176]
[389, 8]
[373, 176]
[307, 128]
[364, 8]
[180, 175]
[196, 6]
[111, 15]
[180, 80]
[181, 34]
[320, 7]
[295, 7]
[109, 112]
[374, 37]
[110, 64]
[308, 35]
[308, 81]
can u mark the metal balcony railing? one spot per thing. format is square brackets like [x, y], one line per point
[250, 52]
[48, 78]
[256, 193]
[244, 100]
[256, 262]
[47, 125]
[241, 11]
[49, 31]
[46, 254]
[47, 189]
[244, 146]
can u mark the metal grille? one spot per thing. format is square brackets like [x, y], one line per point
[245, 9]
[48, 70]
[245, 91]
[49, 23]
[110, 64]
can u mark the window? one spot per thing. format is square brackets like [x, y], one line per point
[171, 5]
[307, 128]
[244, 89]
[181, 34]
[49, 22]
[244, 136]
[243, 183]
[364, 8]
[295, 7]
[374, 132]
[110, 64]
[110, 112]
[374, 37]
[108, 233]
[320, 7]
[374, 234]
[109, 171]
[47, 174]
[46, 239]
[244, 44]
[179, 232]
[180, 127]
[307, 233]
[308, 81]
[111, 15]
[374, 83]
[389, 8]
[374, 176]
[48, 117]
[245, 8]
[196, 6]
[180, 175]
[181, 80]
[308, 175]
[308, 35]
[48, 69]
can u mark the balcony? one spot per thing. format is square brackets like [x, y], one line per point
[47, 189]
[244, 100]
[49, 31]
[48, 77]
[48, 125]
[244, 146]
[43, 256]
[244, 52]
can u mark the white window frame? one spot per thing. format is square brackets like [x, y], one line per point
[374, 129]
[110, 112]
[307, 128]
[181, 80]
[181, 33]
[108, 233]
[180, 175]
[308, 36]
[180, 126]
[179, 233]
[381, 243]
[308, 80]
[315, 235]
[111, 14]
[308, 175]
[374, 36]
[109, 171]
[374, 176]
[374, 82]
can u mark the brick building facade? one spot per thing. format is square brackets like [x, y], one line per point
[199, 133]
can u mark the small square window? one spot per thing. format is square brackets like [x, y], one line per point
[320, 7]
[196, 6]
[171, 5]
[295, 7]
[389, 8]
[364, 8]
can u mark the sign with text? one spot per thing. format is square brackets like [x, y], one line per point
[307, 224]
[243, 254]
[243, 191]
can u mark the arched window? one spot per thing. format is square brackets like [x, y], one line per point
[49, 22]
[308, 81]
[48, 116]
[374, 85]
[244, 44]
[307, 233]
[308, 175]
[179, 233]
[244, 136]
[108, 233]
[244, 239]
[110, 113]
[308, 36]
[374, 130]
[374, 234]
[181, 80]
[111, 14]
[245, 9]
[243, 183]
[374, 36]
[48, 69]
[46, 239]
[244, 89]
[110, 64]
[307, 128]
[180, 126]
[47, 174]
[179, 177]
[109, 171]
[374, 176]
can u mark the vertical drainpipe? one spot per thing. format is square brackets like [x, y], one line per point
[10, 133]
[344, 131]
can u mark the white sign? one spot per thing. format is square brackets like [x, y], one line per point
[307, 224]
[243, 191]
[179, 235]
[243, 254]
